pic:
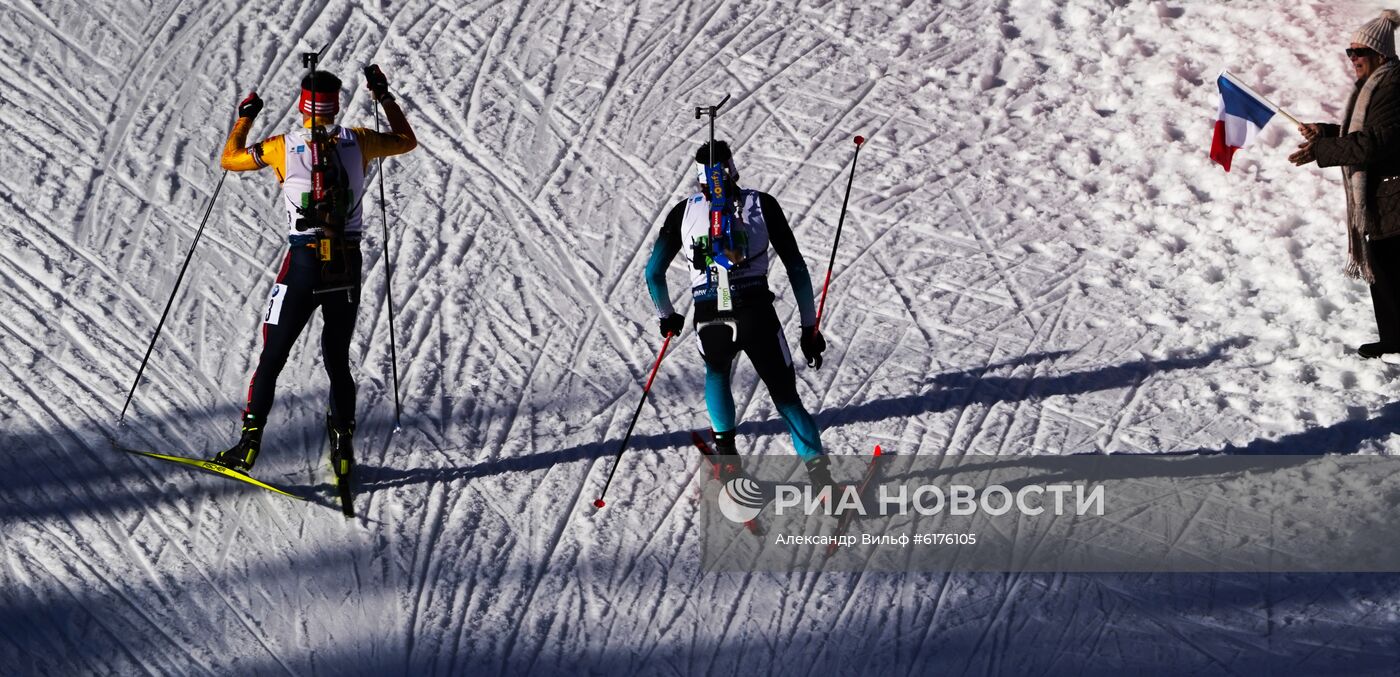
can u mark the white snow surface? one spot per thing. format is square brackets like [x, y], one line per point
[1039, 258]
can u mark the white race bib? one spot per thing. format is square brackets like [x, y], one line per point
[274, 303]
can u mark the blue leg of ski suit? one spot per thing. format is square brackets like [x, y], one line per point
[760, 336]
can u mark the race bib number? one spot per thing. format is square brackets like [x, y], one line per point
[274, 303]
[725, 296]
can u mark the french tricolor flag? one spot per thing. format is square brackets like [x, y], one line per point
[1242, 114]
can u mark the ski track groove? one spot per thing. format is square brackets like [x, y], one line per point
[651, 535]
[1181, 638]
[456, 602]
[115, 636]
[939, 605]
[43, 21]
[865, 382]
[49, 413]
[717, 51]
[802, 607]
[74, 251]
[1017, 294]
[543, 568]
[521, 403]
[681, 51]
[1114, 427]
[147, 566]
[816, 144]
[992, 625]
[242, 619]
[108, 142]
[43, 352]
[1022, 399]
[561, 260]
[600, 111]
[422, 560]
[407, 620]
[962, 424]
[79, 558]
[141, 609]
[1055, 325]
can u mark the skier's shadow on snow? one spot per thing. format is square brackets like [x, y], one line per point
[955, 390]
[1344, 438]
[948, 391]
[45, 475]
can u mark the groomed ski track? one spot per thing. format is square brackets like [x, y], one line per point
[1039, 258]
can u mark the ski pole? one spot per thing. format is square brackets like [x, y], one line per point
[860, 140]
[178, 280]
[388, 276]
[627, 437]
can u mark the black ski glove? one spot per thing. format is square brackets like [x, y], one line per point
[376, 83]
[672, 325]
[813, 345]
[250, 107]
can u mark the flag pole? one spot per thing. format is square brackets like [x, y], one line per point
[1259, 96]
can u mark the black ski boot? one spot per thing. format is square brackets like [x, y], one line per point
[1374, 350]
[343, 461]
[241, 456]
[725, 461]
[819, 471]
[342, 448]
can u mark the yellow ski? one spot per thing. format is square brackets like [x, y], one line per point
[210, 466]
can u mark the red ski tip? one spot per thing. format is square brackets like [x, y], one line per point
[878, 451]
[860, 140]
[599, 503]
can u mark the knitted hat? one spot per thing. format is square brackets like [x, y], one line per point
[1379, 33]
[320, 94]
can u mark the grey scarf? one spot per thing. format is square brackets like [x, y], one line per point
[1361, 217]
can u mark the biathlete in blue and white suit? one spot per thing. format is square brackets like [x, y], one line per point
[750, 325]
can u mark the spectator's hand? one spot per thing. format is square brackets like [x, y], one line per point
[1309, 130]
[1303, 155]
[672, 325]
[250, 107]
[813, 345]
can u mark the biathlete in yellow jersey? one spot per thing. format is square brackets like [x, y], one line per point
[321, 167]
